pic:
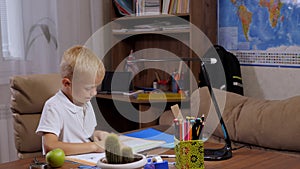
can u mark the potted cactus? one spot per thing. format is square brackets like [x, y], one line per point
[120, 156]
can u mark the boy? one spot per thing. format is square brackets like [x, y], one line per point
[68, 120]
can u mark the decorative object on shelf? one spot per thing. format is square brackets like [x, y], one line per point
[131, 66]
[118, 156]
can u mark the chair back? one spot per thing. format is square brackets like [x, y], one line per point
[28, 95]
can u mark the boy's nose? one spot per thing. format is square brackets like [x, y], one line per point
[93, 92]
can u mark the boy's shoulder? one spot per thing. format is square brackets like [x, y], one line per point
[57, 97]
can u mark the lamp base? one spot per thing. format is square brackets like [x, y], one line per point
[218, 154]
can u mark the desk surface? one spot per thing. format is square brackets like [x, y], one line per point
[242, 158]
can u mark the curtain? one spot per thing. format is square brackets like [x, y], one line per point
[49, 28]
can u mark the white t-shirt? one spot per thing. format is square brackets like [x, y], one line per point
[66, 120]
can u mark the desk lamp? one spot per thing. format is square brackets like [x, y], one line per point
[209, 154]
[221, 153]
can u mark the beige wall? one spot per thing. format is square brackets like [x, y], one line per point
[271, 83]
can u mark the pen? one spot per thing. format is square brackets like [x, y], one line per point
[196, 129]
[163, 155]
[171, 163]
[201, 128]
[167, 156]
[91, 139]
[202, 117]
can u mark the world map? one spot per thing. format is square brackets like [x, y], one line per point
[259, 24]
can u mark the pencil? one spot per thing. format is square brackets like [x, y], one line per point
[187, 128]
[180, 129]
[157, 76]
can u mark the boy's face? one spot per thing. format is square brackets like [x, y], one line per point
[84, 89]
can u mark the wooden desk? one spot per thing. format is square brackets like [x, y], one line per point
[134, 113]
[25, 164]
[243, 158]
[252, 159]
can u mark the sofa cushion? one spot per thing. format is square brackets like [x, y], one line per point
[271, 124]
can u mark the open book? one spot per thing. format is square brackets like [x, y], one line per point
[137, 145]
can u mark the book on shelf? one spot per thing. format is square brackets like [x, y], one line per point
[147, 7]
[165, 6]
[175, 6]
[150, 7]
[123, 7]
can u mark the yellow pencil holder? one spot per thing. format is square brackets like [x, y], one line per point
[189, 154]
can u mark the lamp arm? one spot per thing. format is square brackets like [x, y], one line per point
[225, 152]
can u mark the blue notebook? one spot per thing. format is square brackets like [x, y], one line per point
[153, 134]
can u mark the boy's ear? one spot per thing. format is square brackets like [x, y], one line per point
[66, 82]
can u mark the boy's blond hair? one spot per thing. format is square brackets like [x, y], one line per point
[81, 61]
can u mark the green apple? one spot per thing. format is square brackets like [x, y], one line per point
[55, 157]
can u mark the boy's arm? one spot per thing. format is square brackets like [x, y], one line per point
[50, 142]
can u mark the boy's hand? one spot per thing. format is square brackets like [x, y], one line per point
[99, 146]
[100, 135]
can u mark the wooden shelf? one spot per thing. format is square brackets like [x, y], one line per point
[134, 17]
[153, 32]
[203, 14]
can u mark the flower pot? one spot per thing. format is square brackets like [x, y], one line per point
[140, 161]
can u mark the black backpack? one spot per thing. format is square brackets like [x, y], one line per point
[232, 71]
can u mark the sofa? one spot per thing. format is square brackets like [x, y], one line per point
[28, 95]
[267, 124]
